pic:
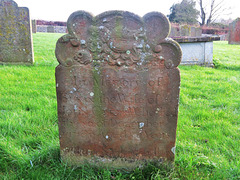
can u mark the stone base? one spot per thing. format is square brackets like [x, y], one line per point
[111, 163]
[192, 63]
[234, 43]
[17, 63]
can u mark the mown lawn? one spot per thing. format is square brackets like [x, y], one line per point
[208, 134]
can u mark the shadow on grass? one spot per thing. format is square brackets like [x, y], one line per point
[219, 65]
[47, 164]
[234, 68]
[7, 159]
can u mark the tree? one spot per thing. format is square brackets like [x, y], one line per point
[184, 12]
[209, 12]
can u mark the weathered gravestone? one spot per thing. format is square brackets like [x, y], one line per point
[117, 89]
[196, 32]
[15, 34]
[34, 26]
[234, 32]
[175, 32]
[50, 29]
[185, 30]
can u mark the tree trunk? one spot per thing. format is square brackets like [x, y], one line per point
[202, 13]
[209, 20]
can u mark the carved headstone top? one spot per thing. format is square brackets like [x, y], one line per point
[117, 38]
[117, 88]
[15, 34]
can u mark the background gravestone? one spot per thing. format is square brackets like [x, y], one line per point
[34, 26]
[175, 32]
[50, 29]
[117, 89]
[234, 32]
[185, 30]
[196, 32]
[15, 34]
[42, 28]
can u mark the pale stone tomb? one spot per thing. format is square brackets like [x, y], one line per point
[197, 50]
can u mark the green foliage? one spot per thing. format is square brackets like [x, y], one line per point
[184, 12]
[208, 140]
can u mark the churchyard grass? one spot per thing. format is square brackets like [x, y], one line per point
[208, 134]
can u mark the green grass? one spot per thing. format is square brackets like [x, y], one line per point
[208, 134]
[226, 55]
